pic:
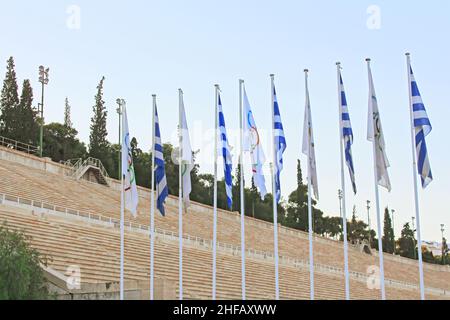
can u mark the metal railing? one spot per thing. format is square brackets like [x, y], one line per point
[78, 165]
[199, 242]
[19, 146]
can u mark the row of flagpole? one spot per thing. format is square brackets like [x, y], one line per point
[250, 143]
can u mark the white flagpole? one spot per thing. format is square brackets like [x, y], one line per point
[122, 216]
[180, 199]
[416, 195]
[241, 160]
[215, 196]
[152, 205]
[377, 199]
[311, 252]
[344, 214]
[275, 207]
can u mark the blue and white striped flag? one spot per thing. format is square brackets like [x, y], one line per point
[422, 128]
[160, 172]
[347, 132]
[280, 144]
[225, 151]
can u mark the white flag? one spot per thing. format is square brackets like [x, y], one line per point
[253, 145]
[130, 189]
[374, 129]
[187, 163]
[308, 147]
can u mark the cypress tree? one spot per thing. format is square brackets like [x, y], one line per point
[9, 100]
[388, 233]
[67, 119]
[26, 128]
[97, 140]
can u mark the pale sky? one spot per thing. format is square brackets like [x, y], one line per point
[145, 47]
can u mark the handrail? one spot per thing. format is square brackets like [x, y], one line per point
[17, 145]
[198, 241]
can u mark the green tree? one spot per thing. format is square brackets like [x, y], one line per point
[357, 229]
[388, 233]
[21, 275]
[61, 143]
[9, 100]
[99, 147]
[237, 189]
[97, 138]
[67, 117]
[406, 243]
[27, 126]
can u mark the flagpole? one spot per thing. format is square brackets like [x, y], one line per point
[152, 205]
[215, 196]
[416, 193]
[311, 252]
[180, 199]
[275, 207]
[241, 160]
[122, 217]
[344, 213]
[377, 199]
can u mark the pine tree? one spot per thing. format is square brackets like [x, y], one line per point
[407, 243]
[237, 189]
[98, 144]
[67, 119]
[9, 100]
[388, 233]
[27, 127]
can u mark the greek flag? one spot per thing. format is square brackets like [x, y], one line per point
[160, 172]
[280, 144]
[347, 132]
[225, 150]
[422, 127]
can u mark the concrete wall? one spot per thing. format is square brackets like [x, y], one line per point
[133, 290]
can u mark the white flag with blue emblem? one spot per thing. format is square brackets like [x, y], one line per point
[252, 144]
[187, 163]
[375, 130]
[308, 147]
[130, 189]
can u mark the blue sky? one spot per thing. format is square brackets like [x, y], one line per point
[145, 47]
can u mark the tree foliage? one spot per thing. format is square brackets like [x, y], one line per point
[388, 233]
[21, 275]
[9, 100]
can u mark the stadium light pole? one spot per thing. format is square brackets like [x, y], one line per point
[43, 79]
[442, 245]
[340, 196]
[119, 112]
[393, 230]
[414, 236]
[368, 222]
